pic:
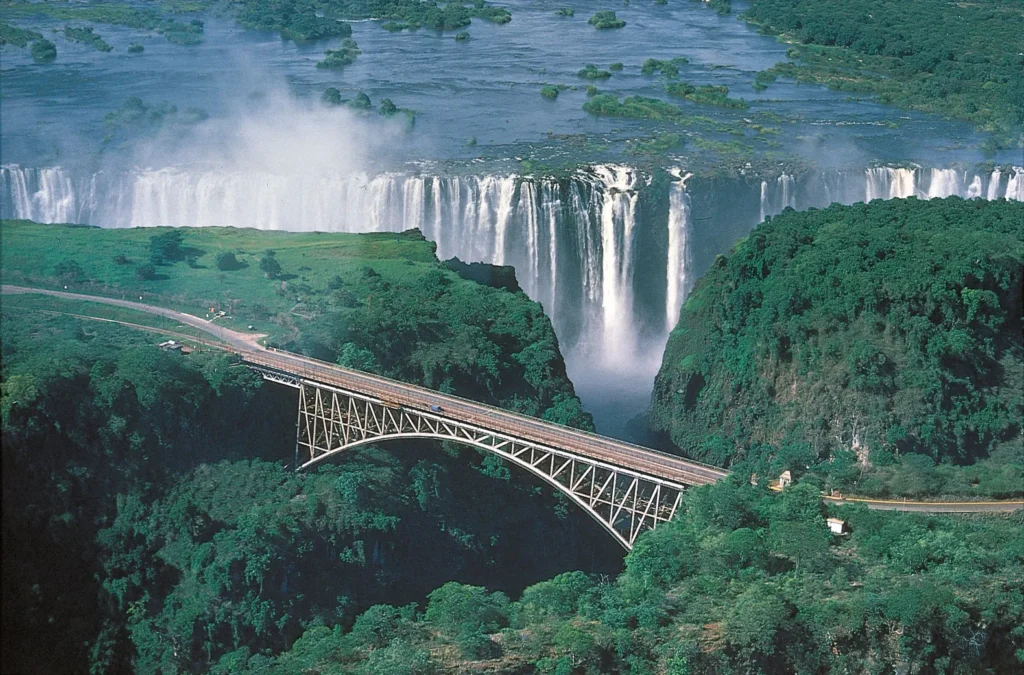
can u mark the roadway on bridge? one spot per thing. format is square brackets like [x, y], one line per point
[597, 447]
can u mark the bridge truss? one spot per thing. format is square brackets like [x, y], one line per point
[332, 420]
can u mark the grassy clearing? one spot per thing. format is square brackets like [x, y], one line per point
[18, 305]
[319, 271]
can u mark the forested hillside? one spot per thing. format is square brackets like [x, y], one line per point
[743, 581]
[149, 522]
[864, 344]
[955, 58]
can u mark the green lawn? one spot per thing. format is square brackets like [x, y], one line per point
[15, 306]
[318, 270]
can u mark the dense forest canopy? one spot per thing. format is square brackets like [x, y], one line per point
[964, 59]
[853, 336]
[741, 582]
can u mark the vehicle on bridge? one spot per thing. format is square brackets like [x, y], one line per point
[436, 408]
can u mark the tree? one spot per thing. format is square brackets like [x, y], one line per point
[361, 102]
[269, 265]
[458, 608]
[387, 108]
[331, 96]
[43, 51]
[377, 626]
[69, 271]
[166, 248]
[227, 262]
[358, 358]
[145, 272]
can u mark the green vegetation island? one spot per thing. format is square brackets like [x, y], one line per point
[606, 20]
[964, 60]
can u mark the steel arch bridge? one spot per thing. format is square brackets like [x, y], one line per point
[331, 420]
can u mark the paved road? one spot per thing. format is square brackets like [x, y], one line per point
[931, 507]
[604, 449]
[610, 451]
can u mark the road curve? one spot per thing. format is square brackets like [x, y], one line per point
[594, 446]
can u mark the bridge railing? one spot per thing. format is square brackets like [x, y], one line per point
[416, 396]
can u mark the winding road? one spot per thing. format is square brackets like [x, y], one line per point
[611, 451]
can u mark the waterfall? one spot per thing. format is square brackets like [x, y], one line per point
[886, 182]
[993, 185]
[764, 201]
[974, 190]
[618, 219]
[676, 267]
[786, 183]
[945, 183]
[551, 198]
[1015, 185]
[579, 244]
[528, 208]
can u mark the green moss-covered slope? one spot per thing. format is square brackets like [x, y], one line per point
[854, 334]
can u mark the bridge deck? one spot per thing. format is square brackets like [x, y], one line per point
[593, 446]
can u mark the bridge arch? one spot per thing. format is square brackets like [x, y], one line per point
[625, 503]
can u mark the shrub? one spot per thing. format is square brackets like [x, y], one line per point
[69, 271]
[331, 96]
[146, 272]
[166, 248]
[361, 102]
[387, 107]
[632, 107]
[135, 48]
[666, 68]
[606, 20]
[591, 72]
[336, 59]
[462, 37]
[88, 37]
[43, 51]
[269, 265]
[548, 91]
[227, 262]
[565, 11]
[616, 67]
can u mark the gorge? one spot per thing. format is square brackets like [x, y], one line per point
[610, 251]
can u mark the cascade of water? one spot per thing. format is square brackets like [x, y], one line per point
[903, 183]
[944, 183]
[974, 190]
[414, 203]
[551, 198]
[528, 209]
[786, 183]
[618, 219]
[764, 201]
[678, 229]
[1015, 185]
[433, 228]
[506, 188]
[993, 185]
